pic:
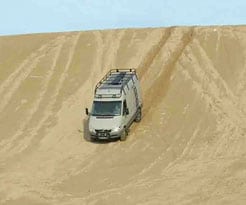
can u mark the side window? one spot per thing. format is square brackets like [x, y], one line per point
[124, 107]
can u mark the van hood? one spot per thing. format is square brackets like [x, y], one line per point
[104, 122]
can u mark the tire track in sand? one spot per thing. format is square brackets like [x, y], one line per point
[210, 79]
[153, 52]
[36, 105]
[24, 144]
[111, 45]
[161, 84]
[12, 83]
[214, 89]
[220, 100]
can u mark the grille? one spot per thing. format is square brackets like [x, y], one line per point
[103, 133]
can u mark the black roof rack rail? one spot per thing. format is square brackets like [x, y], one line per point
[118, 79]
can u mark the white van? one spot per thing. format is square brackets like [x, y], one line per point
[117, 103]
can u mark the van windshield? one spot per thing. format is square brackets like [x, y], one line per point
[106, 108]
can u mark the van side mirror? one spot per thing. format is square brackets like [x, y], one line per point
[127, 111]
[86, 111]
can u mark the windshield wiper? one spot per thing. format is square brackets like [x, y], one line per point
[103, 115]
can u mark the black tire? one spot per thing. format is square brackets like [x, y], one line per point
[90, 138]
[139, 115]
[123, 135]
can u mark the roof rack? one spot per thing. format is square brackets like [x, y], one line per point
[116, 77]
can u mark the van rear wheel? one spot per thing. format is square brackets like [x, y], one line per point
[139, 115]
[123, 135]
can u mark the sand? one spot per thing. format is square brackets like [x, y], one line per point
[188, 149]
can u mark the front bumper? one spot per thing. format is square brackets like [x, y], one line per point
[105, 134]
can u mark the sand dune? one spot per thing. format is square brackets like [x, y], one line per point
[188, 149]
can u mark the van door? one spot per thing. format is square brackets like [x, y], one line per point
[126, 114]
[136, 95]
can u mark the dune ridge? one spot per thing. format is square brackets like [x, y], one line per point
[188, 149]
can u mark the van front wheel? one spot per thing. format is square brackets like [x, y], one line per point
[123, 135]
[139, 115]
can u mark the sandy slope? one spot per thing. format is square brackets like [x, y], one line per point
[188, 149]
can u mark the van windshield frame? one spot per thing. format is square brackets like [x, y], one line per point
[106, 108]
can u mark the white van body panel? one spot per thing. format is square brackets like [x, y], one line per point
[117, 94]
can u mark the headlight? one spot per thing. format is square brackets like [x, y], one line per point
[116, 129]
[92, 130]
